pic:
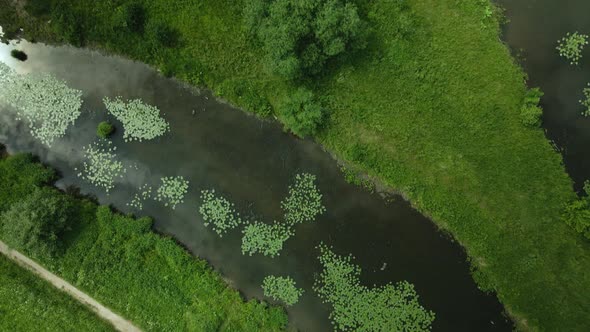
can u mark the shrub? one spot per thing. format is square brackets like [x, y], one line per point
[265, 239]
[586, 101]
[165, 35]
[281, 289]
[135, 17]
[358, 308]
[571, 46]
[304, 202]
[531, 112]
[299, 36]
[37, 223]
[104, 129]
[577, 215]
[19, 55]
[219, 212]
[301, 114]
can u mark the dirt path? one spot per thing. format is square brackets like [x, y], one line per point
[103, 312]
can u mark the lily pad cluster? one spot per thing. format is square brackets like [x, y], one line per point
[304, 201]
[571, 46]
[45, 102]
[265, 239]
[281, 289]
[392, 307]
[586, 101]
[172, 191]
[140, 121]
[144, 193]
[101, 167]
[218, 212]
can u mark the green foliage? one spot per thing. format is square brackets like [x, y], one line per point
[219, 212]
[28, 303]
[571, 46]
[104, 129]
[140, 121]
[165, 35]
[172, 191]
[281, 289]
[47, 103]
[304, 201]
[19, 55]
[577, 215]
[37, 224]
[100, 166]
[586, 101]
[264, 238]
[134, 17]
[301, 113]
[411, 113]
[300, 36]
[531, 112]
[358, 308]
[145, 277]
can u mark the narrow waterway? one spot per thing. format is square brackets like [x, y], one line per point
[534, 28]
[252, 162]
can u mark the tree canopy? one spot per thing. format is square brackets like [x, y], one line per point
[37, 223]
[299, 36]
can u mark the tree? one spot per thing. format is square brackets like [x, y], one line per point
[299, 36]
[577, 213]
[104, 129]
[301, 114]
[37, 224]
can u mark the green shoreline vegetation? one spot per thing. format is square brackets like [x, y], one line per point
[118, 260]
[27, 302]
[433, 106]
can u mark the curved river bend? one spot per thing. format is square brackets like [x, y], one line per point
[252, 162]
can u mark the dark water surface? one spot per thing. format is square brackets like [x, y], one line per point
[252, 162]
[533, 31]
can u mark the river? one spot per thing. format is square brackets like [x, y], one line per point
[252, 162]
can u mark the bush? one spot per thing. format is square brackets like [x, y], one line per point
[135, 17]
[165, 35]
[19, 55]
[299, 36]
[104, 129]
[577, 215]
[37, 223]
[301, 114]
[531, 112]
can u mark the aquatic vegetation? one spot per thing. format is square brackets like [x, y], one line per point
[101, 167]
[218, 212]
[304, 201]
[281, 289]
[586, 101]
[45, 102]
[172, 191]
[140, 121]
[264, 238]
[531, 112]
[144, 193]
[571, 46]
[104, 129]
[393, 307]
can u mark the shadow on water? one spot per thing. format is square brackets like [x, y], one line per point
[533, 30]
[216, 146]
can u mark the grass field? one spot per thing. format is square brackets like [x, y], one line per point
[28, 303]
[430, 108]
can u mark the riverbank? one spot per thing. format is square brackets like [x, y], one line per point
[434, 114]
[27, 302]
[145, 277]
